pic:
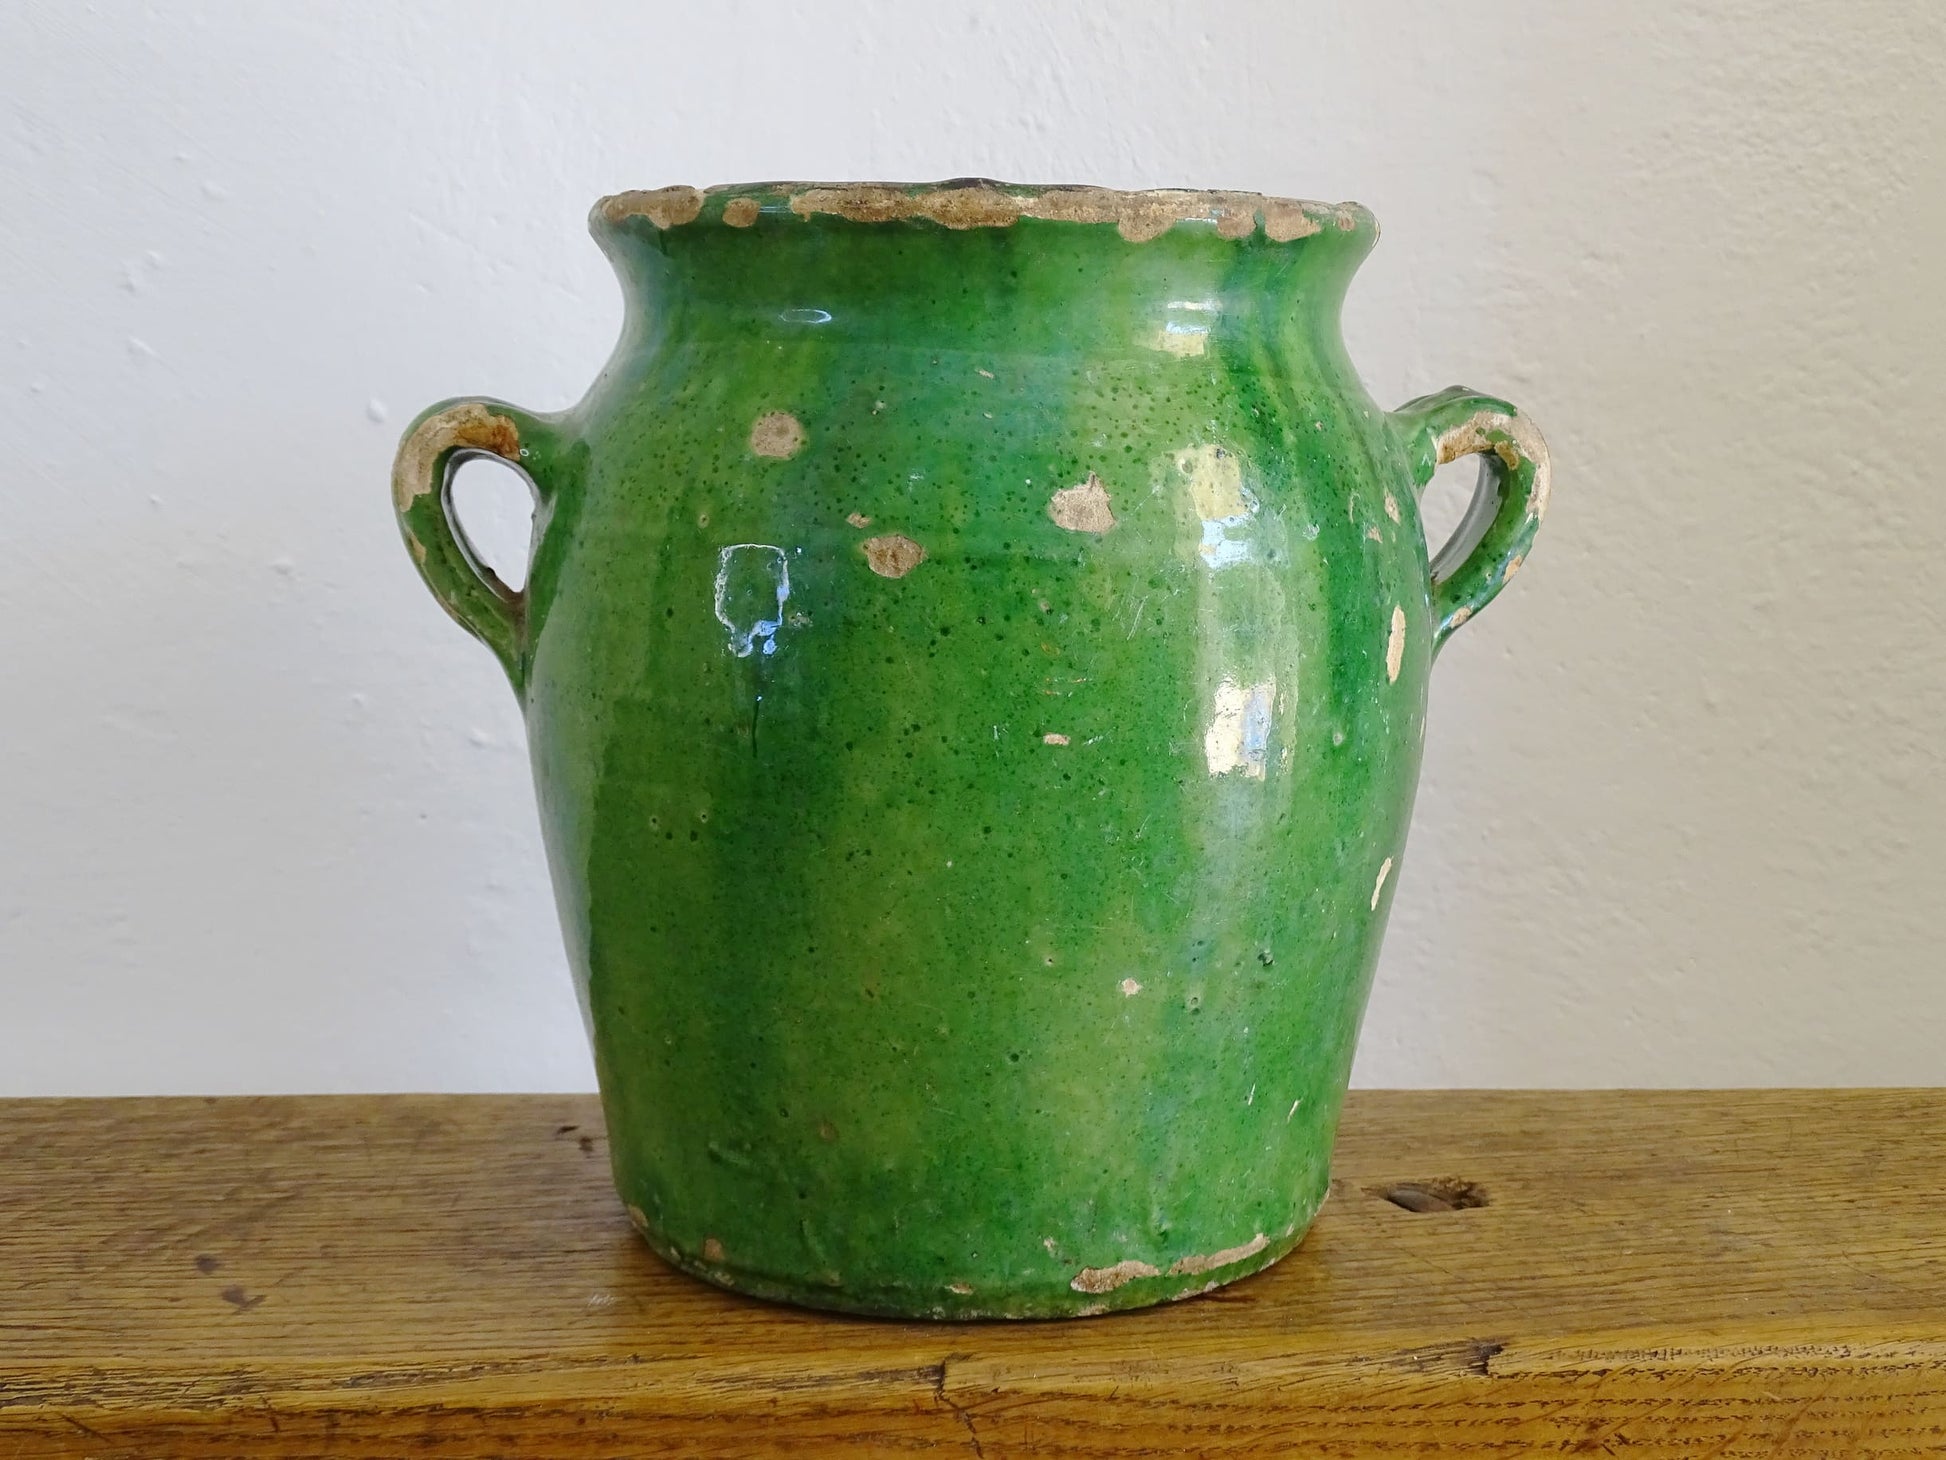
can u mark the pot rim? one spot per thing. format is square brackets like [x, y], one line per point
[978, 202]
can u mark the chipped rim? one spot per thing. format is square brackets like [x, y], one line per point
[976, 202]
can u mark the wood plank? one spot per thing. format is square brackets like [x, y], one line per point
[1653, 1273]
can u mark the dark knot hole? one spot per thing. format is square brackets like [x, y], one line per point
[1434, 1194]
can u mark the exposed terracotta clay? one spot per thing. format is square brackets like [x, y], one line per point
[664, 207]
[1475, 433]
[778, 434]
[1082, 508]
[976, 203]
[471, 425]
[893, 555]
[1107, 1279]
[1195, 1264]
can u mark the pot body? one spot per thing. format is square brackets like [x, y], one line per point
[975, 673]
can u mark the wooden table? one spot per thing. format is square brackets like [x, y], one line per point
[1722, 1274]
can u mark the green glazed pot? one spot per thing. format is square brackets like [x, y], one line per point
[974, 656]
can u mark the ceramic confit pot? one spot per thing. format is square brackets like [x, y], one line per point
[974, 656]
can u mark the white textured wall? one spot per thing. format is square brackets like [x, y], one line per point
[265, 821]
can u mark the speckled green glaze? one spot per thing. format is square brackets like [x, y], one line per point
[974, 656]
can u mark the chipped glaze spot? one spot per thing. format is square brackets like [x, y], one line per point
[1395, 646]
[1392, 506]
[664, 207]
[1462, 614]
[1523, 441]
[1197, 1264]
[1238, 737]
[1082, 508]
[1130, 988]
[1513, 566]
[858, 519]
[963, 1289]
[1384, 871]
[1372, 534]
[753, 581]
[892, 555]
[1285, 220]
[1107, 1279]
[712, 1250]
[777, 434]
[979, 203]
[741, 212]
[471, 426]
[1137, 216]
[1054, 739]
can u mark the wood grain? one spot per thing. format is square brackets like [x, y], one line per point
[1652, 1274]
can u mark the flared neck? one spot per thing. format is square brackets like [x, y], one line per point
[976, 263]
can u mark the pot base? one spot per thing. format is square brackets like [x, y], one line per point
[1101, 1290]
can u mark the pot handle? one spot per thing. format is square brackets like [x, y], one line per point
[1492, 540]
[422, 482]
